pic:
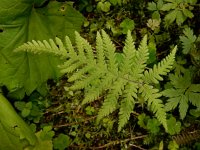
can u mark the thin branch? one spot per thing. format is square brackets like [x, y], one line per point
[118, 142]
[133, 145]
[113, 143]
[73, 123]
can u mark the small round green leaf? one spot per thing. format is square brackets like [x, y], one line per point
[61, 142]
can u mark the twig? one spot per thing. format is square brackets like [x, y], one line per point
[73, 123]
[133, 145]
[119, 141]
[113, 143]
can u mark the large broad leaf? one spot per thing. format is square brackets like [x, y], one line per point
[22, 21]
[14, 132]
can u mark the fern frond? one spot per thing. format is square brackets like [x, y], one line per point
[162, 68]
[38, 47]
[129, 53]
[100, 52]
[109, 50]
[80, 46]
[152, 95]
[79, 75]
[84, 48]
[109, 105]
[140, 59]
[111, 101]
[130, 91]
[100, 73]
[84, 61]
[64, 67]
[92, 93]
[126, 107]
[70, 49]
[85, 58]
[127, 104]
[84, 82]
[142, 53]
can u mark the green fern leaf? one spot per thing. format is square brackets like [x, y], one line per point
[141, 57]
[127, 104]
[78, 75]
[84, 82]
[100, 73]
[70, 49]
[100, 52]
[129, 54]
[152, 95]
[38, 47]
[92, 93]
[109, 50]
[84, 49]
[111, 101]
[80, 46]
[126, 107]
[154, 75]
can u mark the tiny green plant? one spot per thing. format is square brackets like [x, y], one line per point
[174, 127]
[190, 45]
[32, 110]
[61, 142]
[103, 6]
[181, 93]
[178, 10]
[188, 40]
[155, 8]
[152, 125]
[127, 24]
[101, 73]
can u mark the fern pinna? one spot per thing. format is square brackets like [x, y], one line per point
[100, 72]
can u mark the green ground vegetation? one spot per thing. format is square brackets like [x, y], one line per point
[100, 74]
